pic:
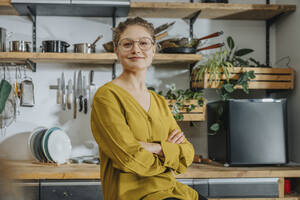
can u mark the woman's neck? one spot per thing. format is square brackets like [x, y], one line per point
[133, 80]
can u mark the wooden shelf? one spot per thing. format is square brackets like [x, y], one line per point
[208, 10]
[6, 8]
[96, 58]
[198, 114]
[266, 78]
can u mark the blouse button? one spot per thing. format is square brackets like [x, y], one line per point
[149, 118]
[126, 159]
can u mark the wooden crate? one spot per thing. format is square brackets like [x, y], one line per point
[198, 114]
[266, 78]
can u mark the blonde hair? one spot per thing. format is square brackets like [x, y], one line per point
[129, 22]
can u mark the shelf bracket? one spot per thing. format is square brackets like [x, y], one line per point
[32, 16]
[30, 64]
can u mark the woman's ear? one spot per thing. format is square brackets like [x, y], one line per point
[116, 52]
[154, 48]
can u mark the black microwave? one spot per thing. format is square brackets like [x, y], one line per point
[251, 131]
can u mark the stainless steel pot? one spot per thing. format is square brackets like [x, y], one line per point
[19, 46]
[2, 39]
[55, 46]
[84, 48]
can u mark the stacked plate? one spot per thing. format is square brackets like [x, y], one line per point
[50, 145]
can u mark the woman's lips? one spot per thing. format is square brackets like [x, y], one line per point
[136, 58]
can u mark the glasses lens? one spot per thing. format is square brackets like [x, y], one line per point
[126, 44]
[145, 43]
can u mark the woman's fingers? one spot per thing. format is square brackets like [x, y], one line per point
[173, 133]
[180, 140]
[176, 137]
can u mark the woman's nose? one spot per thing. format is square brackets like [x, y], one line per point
[136, 47]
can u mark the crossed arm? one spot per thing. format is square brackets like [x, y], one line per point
[175, 137]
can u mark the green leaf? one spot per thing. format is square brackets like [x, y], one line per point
[228, 87]
[242, 52]
[215, 127]
[230, 42]
[251, 74]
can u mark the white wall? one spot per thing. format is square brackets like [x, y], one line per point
[250, 34]
[288, 43]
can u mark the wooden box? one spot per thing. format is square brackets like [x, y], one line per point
[198, 114]
[266, 78]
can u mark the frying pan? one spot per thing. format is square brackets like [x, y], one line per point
[186, 42]
[190, 50]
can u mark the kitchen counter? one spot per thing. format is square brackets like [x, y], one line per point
[35, 170]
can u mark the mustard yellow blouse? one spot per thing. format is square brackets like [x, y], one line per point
[129, 171]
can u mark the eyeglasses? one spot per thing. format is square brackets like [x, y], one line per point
[144, 43]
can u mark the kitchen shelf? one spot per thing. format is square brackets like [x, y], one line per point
[198, 114]
[208, 10]
[266, 78]
[6, 8]
[96, 58]
[78, 8]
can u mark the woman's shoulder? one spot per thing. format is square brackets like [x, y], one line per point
[159, 98]
[106, 91]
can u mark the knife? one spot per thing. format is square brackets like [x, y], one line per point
[92, 87]
[58, 95]
[74, 97]
[79, 90]
[63, 88]
[69, 95]
[85, 101]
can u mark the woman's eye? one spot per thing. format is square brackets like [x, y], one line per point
[127, 44]
[144, 43]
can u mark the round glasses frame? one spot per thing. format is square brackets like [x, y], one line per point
[138, 42]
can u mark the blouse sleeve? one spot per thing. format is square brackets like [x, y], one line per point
[177, 156]
[117, 141]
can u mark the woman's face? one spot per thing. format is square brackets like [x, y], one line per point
[135, 49]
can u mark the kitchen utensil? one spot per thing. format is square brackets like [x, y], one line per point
[27, 91]
[94, 43]
[185, 42]
[59, 92]
[190, 50]
[80, 90]
[86, 47]
[74, 96]
[160, 36]
[63, 89]
[54, 46]
[85, 100]
[69, 95]
[92, 87]
[163, 27]
[59, 146]
[19, 46]
[3, 37]
[5, 89]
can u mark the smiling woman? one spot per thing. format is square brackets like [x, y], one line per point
[140, 144]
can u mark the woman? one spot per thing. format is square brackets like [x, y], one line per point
[140, 143]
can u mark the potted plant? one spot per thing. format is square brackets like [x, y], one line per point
[185, 105]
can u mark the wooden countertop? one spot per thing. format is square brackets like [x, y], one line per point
[34, 170]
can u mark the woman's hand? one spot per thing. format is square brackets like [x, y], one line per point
[153, 147]
[176, 137]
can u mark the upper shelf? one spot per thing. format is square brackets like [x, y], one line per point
[6, 8]
[79, 8]
[96, 58]
[208, 10]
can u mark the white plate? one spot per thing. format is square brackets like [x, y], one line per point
[30, 142]
[59, 146]
[44, 141]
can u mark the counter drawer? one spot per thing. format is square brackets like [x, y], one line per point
[70, 190]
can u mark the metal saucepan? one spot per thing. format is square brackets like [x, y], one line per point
[19, 46]
[190, 50]
[55, 46]
[182, 43]
[86, 47]
[3, 37]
